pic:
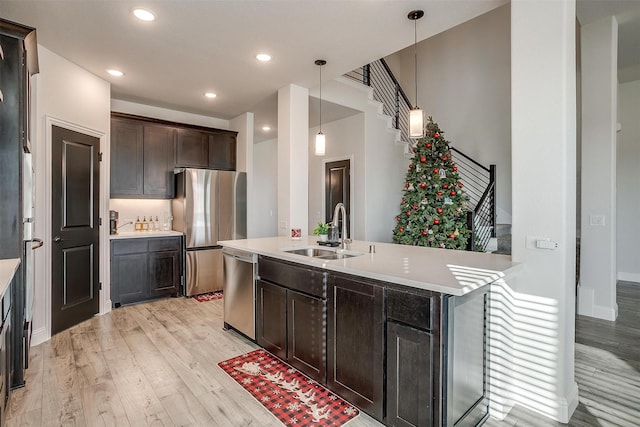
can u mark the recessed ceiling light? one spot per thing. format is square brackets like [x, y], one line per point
[144, 14]
[210, 95]
[115, 73]
[266, 128]
[263, 57]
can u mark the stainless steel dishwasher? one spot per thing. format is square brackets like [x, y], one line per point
[240, 291]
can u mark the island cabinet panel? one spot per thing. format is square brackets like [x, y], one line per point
[192, 149]
[141, 159]
[272, 318]
[306, 335]
[291, 315]
[145, 268]
[356, 343]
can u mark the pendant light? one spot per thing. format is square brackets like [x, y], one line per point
[320, 138]
[416, 115]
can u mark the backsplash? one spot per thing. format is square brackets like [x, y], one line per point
[130, 209]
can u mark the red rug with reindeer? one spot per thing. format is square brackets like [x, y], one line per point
[289, 395]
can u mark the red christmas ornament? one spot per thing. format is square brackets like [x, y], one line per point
[459, 185]
[444, 158]
[424, 232]
[436, 221]
[400, 229]
[436, 135]
[423, 159]
[408, 213]
[410, 165]
[403, 202]
[436, 170]
[415, 207]
[406, 185]
[453, 193]
[439, 193]
[398, 218]
[455, 168]
[445, 185]
[439, 210]
[428, 145]
[451, 236]
[423, 185]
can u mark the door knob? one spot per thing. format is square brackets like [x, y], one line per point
[57, 239]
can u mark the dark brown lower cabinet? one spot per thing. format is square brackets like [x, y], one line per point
[409, 376]
[290, 326]
[355, 339]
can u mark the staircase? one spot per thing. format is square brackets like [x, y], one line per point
[479, 180]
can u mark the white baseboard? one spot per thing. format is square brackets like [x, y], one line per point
[629, 277]
[38, 336]
[588, 307]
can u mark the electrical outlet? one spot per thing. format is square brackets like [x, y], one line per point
[596, 220]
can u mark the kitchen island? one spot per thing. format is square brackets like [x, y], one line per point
[399, 331]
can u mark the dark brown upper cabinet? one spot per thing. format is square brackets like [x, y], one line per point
[206, 149]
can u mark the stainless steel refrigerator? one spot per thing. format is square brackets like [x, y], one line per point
[209, 206]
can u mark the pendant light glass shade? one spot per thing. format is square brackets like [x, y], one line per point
[320, 144]
[416, 115]
[416, 123]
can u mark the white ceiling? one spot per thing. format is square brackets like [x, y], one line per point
[196, 45]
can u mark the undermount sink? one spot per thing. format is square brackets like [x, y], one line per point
[321, 253]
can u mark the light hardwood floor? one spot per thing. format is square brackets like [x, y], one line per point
[156, 364]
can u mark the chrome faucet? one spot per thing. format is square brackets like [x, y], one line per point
[336, 220]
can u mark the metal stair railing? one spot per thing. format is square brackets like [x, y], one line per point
[478, 180]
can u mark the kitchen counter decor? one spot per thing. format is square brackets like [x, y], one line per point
[290, 396]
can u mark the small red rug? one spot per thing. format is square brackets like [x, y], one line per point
[208, 296]
[289, 395]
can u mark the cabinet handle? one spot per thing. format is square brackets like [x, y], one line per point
[1, 53]
[1, 96]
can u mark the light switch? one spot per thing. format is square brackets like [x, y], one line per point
[596, 220]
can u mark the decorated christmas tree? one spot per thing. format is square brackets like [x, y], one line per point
[433, 209]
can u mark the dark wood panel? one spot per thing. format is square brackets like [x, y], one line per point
[293, 276]
[129, 246]
[130, 274]
[356, 343]
[158, 161]
[222, 151]
[164, 273]
[306, 344]
[272, 318]
[127, 158]
[165, 244]
[192, 149]
[409, 376]
[409, 308]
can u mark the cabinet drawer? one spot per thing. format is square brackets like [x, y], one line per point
[129, 246]
[409, 308]
[294, 277]
[164, 244]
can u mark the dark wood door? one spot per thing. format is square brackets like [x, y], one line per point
[222, 151]
[129, 278]
[192, 149]
[356, 343]
[164, 273]
[158, 161]
[75, 228]
[272, 318]
[338, 189]
[409, 376]
[306, 343]
[127, 158]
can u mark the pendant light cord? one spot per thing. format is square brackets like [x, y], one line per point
[321, 99]
[415, 57]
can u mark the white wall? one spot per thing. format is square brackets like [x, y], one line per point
[265, 189]
[599, 50]
[73, 97]
[243, 124]
[628, 177]
[464, 82]
[345, 141]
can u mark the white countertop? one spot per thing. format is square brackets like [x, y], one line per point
[447, 271]
[138, 234]
[8, 268]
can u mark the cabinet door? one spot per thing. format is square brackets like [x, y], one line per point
[129, 275]
[164, 273]
[409, 376]
[127, 158]
[222, 151]
[272, 318]
[158, 161]
[306, 339]
[192, 149]
[356, 343]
